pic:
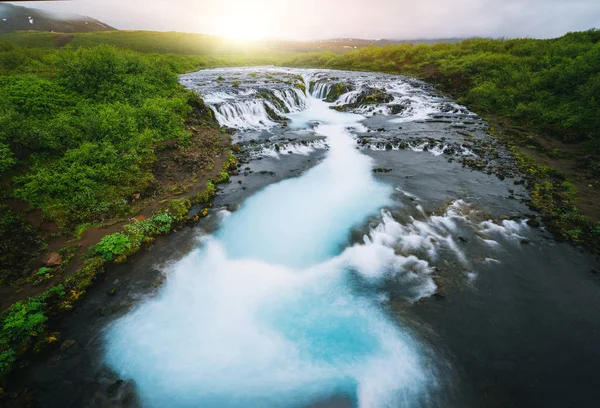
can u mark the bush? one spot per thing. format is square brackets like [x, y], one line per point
[112, 246]
[23, 322]
[86, 135]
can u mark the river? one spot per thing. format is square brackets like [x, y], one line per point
[358, 259]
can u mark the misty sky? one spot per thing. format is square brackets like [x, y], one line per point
[312, 19]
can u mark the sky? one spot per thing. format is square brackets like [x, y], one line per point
[319, 19]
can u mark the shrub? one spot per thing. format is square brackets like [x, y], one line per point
[223, 177]
[112, 246]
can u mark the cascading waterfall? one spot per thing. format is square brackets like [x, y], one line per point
[294, 99]
[320, 90]
[272, 311]
[244, 115]
[239, 112]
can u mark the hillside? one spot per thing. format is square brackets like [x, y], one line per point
[17, 18]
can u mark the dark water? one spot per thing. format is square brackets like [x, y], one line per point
[503, 314]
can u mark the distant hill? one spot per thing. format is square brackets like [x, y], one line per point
[359, 42]
[17, 18]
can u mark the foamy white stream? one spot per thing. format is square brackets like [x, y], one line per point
[273, 311]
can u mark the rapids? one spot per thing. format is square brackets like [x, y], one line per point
[271, 311]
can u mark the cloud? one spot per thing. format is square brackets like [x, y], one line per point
[310, 19]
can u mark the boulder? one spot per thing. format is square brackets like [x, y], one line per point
[54, 259]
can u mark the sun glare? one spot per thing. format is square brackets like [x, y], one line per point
[245, 24]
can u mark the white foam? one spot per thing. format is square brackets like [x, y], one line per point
[303, 149]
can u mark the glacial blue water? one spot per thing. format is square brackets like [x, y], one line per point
[268, 312]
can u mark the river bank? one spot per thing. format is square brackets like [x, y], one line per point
[185, 176]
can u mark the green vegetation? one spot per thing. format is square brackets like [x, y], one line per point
[112, 246]
[550, 85]
[201, 50]
[23, 323]
[81, 139]
[556, 198]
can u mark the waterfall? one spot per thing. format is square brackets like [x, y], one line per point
[250, 114]
[239, 112]
[320, 90]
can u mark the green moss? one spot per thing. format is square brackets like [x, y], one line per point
[336, 91]
[301, 86]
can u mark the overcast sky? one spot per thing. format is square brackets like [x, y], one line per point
[312, 19]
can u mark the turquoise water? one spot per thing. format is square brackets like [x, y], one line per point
[268, 312]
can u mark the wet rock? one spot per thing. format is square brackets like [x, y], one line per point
[114, 388]
[112, 292]
[463, 239]
[67, 345]
[54, 259]
[533, 223]
[525, 241]
[396, 109]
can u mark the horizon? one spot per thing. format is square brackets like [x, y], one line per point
[385, 20]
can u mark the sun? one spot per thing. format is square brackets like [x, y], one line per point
[243, 26]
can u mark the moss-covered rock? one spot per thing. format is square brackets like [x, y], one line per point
[336, 91]
[373, 96]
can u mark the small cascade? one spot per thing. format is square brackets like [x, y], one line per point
[348, 98]
[249, 114]
[246, 112]
[294, 99]
[319, 90]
